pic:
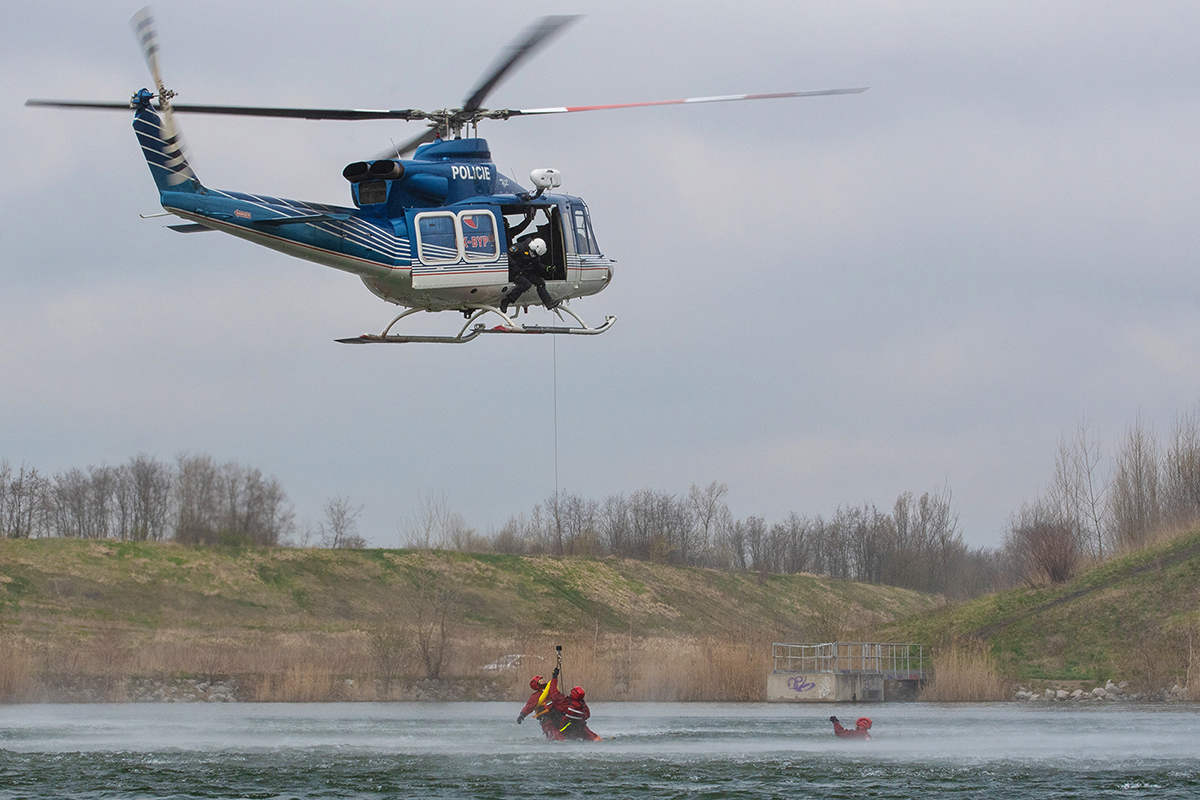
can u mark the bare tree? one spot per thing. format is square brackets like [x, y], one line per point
[103, 482]
[578, 520]
[616, 528]
[389, 643]
[1077, 488]
[258, 510]
[70, 503]
[434, 607]
[197, 500]
[654, 525]
[872, 536]
[340, 527]
[230, 503]
[736, 545]
[5, 484]
[554, 511]
[707, 505]
[1093, 487]
[1181, 471]
[756, 538]
[798, 553]
[424, 529]
[514, 537]
[837, 543]
[1133, 500]
[1043, 543]
[462, 537]
[937, 508]
[26, 510]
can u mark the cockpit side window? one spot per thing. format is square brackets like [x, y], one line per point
[585, 241]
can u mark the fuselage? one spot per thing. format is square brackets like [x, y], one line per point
[431, 232]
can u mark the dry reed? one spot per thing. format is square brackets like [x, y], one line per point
[682, 669]
[16, 671]
[314, 666]
[965, 674]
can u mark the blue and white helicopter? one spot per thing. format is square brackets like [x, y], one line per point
[429, 233]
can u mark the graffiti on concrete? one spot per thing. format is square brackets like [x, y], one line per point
[799, 683]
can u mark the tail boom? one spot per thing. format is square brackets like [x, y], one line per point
[162, 147]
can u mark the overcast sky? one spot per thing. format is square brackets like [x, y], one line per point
[820, 301]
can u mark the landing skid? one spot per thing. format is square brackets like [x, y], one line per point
[469, 332]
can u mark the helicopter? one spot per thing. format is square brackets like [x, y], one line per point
[433, 219]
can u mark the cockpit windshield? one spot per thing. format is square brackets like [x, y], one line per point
[581, 224]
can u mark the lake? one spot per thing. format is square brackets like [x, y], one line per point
[701, 751]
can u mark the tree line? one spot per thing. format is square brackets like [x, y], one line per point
[918, 545]
[1098, 502]
[193, 501]
[1101, 501]
[196, 500]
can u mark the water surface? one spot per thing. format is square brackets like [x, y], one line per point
[705, 750]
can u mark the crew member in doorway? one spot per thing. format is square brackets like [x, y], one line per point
[525, 269]
[859, 731]
[576, 716]
[546, 704]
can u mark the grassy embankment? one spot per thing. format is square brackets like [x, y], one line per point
[318, 624]
[1135, 617]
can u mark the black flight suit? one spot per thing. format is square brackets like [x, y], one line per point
[525, 268]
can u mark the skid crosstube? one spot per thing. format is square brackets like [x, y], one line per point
[465, 335]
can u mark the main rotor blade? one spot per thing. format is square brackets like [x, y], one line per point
[305, 113]
[534, 38]
[80, 104]
[515, 112]
[250, 111]
[401, 150]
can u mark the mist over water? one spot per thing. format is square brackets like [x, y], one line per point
[459, 750]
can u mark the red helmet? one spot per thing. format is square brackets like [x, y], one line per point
[537, 682]
[863, 723]
[577, 693]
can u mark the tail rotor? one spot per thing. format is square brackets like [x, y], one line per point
[146, 31]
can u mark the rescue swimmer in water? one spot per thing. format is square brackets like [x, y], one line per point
[542, 705]
[859, 731]
[562, 717]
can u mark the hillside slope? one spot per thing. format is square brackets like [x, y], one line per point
[1136, 616]
[88, 610]
[46, 585]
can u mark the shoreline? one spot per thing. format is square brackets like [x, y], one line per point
[235, 689]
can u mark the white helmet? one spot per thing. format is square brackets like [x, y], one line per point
[537, 246]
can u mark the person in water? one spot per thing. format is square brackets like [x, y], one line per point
[859, 731]
[549, 713]
[575, 718]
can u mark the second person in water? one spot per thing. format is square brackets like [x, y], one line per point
[562, 717]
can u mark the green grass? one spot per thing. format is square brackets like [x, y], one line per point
[1088, 629]
[151, 586]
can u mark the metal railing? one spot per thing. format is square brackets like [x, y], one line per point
[898, 661]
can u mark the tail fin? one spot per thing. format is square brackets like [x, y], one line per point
[163, 149]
